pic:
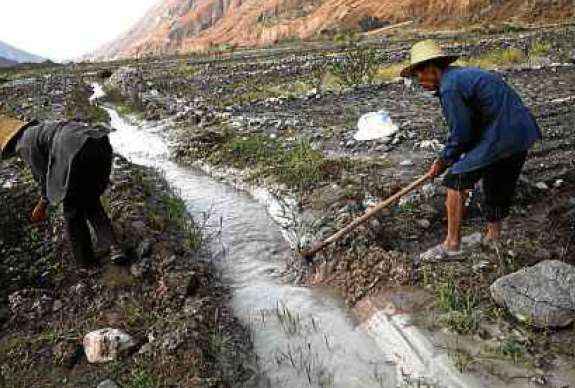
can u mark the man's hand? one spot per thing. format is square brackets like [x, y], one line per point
[437, 168]
[39, 213]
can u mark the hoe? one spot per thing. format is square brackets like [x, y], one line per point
[318, 246]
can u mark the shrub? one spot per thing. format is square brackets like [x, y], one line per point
[359, 65]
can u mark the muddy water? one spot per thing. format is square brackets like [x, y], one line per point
[303, 337]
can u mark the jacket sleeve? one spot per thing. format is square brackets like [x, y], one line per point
[461, 134]
[35, 154]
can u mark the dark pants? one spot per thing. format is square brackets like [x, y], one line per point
[499, 183]
[89, 177]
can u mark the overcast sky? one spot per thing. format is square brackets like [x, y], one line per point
[66, 29]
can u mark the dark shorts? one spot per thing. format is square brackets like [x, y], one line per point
[90, 171]
[499, 184]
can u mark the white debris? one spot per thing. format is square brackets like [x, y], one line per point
[434, 145]
[406, 163]
[375, 125]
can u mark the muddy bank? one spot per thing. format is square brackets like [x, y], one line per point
[169, 298]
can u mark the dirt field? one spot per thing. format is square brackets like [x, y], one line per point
[285, 118]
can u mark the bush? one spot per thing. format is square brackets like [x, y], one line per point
[358, 66]
[368, 23]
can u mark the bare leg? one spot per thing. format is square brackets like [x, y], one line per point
[493, 231]
[454, 204]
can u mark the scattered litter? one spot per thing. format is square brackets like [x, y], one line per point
[406, 163]
[375, 125]
[435, 145]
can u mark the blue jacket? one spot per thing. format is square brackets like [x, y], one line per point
[486, 117]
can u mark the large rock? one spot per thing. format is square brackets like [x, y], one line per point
[108, 384]
[106, 345]
[543, 294]
[128, 80]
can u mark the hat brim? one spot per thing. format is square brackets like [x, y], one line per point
[8, 150]
[409, 70]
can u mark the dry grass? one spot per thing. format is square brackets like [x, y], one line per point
[495, 58]
[389, 72]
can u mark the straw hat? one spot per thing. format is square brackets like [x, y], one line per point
[9, 129]
[423, 52]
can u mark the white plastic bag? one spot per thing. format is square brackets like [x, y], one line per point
[375, 125]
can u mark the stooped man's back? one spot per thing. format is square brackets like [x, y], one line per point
[487, 118]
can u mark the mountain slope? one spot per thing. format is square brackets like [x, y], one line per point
[6, 62]
[13, 54]
[185, 25]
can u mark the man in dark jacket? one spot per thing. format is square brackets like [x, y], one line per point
[72, 162]
[490, 133]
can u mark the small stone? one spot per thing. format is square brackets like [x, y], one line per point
[106, 345]
[406, 163]
[558, 183]
[472, 240]
[146, 348]
[144, 248]
[429, 190]
[57, 306]
[108, 384]
[480, 266]
[542, 186]
[140, 268]
[423, 223]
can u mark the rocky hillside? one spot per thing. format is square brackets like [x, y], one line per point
[12, 54]
[183, 25]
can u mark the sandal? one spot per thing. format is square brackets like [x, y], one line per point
[438, 254]
[117, 256]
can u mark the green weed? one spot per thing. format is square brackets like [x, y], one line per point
[301, 166]
[141, 378]
[290, 323]
[461, 358]
[459, 307]
[511, 349]
[359, 65]
[539, 48]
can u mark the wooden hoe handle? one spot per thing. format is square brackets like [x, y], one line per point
[360, 220]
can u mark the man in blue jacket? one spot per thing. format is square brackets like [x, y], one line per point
[490, 133]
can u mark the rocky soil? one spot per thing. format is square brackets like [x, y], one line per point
[285, 119]
[169, 299]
